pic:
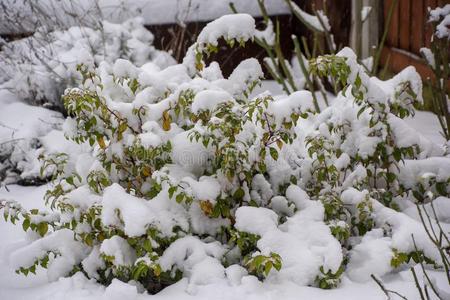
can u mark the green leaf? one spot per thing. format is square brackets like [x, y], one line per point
[157, 270]
[293, 180]
[267, 268]
[360, 112]
[97, 224]
[441, 188]
[205, 142]
[42, 228]
[415, 256]
[89, 240]
[390, 177]
[140, 270]
[147, 246]
[358, 81]
[239, 193]
[172, 190]
[397, 154]
[26, 224]
[277, 264]
[134, 84]
[179, 198]
[122, 127]
[257, 261]
[216, 211]
[274, 153]
[44, 262]
[69, 180]
[166, 120]
[262, 167]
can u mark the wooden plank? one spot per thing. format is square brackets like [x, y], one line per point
[392, 39]
[399, 59]
[418, 15]
[442, 3]
[318, 4]
[404, 24]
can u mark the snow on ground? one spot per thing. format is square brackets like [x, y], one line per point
[33, 121]
[22, 130]
[13, 286]
[427, 124]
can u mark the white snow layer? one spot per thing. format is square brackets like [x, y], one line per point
[137, 213]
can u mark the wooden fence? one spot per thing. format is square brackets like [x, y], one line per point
[408, 32]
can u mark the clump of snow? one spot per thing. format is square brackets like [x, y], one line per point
[297, 102]
[267, 35]
[365, 12]
[304, 242]
[429, 56]
[206, 188]
[120, 251]
[246, 73]
[442, 29]
[310, 20]
[412, 171]
[197, 258]
[407, 137]
[238, 26]
[82, 198]
[94, 262]
[371, 256]
[403, 228]
[183, 150]
[69, 253]
[209, 99]
[136, 214]
[256, 220]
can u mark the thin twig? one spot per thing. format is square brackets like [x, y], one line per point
[419, 288]
[385, 290]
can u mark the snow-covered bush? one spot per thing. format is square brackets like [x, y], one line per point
[38, 69]
[26, 132]
[189, 176]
